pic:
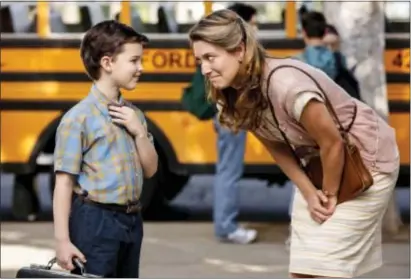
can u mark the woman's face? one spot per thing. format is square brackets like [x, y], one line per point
[217, 64]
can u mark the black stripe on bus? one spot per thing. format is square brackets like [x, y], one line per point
[261, 171]
[274, 43]
[398, 78]
[148, 77]
[66, 105]
[280, 43]
[82, 77]
[41, 105]
[399, 106]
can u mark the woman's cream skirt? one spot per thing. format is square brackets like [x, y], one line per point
[349, 243]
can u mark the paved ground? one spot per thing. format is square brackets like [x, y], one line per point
[188, 250]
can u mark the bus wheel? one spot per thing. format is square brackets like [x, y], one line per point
[173, 184]
[169, 183]
[154, 200]
[151, 188]
[26, 205]
[52, 183]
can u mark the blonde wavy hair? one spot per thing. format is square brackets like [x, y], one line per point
[242, 107]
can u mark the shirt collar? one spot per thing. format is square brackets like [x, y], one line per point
[101, 100]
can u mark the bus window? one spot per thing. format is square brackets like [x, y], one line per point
[144, 16]
[189, 12]
[16, 18]
[79, 17]
[150, 17]
[167, 17]
[167, 22]
[22, 18]
[397, 11]
[179, 16]
[397, 17]
[269, 14]
[64, 17]
[56, 22]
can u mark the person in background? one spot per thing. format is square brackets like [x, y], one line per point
[247, 12]
[229, 167]
[345, 77]
[316, 53]
[303, 7]
[332, 40]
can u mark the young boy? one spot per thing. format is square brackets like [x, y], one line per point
[103, 152]
[316, 53]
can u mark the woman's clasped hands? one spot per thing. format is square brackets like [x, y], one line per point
[320, 206]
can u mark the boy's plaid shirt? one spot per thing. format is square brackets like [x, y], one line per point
[100, 153]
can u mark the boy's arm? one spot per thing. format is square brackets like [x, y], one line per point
[62, 205]
[67, 164]
[146, 150]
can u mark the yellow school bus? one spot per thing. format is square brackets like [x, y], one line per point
[42, 77]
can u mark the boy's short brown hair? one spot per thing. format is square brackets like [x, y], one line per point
[106, 39]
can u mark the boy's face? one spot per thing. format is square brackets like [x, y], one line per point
[127, 67]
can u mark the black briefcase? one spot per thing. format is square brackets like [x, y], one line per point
[45, 271]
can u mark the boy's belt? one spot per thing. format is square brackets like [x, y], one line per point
[129, 208]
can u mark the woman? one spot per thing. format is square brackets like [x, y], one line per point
[327, 240]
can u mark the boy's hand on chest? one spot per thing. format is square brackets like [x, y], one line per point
[128, 118]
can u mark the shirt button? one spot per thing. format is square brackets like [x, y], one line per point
[301, 137]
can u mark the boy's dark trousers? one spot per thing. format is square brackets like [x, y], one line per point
[110, 240]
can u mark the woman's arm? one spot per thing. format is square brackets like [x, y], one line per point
[315, 198]
[318, 122]
[285, 160]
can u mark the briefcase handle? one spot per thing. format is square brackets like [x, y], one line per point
[80, 265]
[76, 262]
